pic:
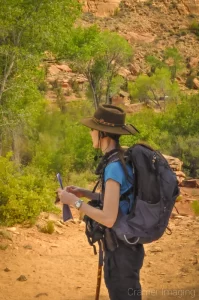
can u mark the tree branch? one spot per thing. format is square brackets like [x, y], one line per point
[6, 75]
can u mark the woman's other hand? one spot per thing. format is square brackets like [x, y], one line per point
[66, 197]
[77, 191]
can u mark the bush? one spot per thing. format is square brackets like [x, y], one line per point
[24, 193]
[189, 82]
[194, 27]
[48, 228]
[145, 121]
[195, 206]
[149, 3]
[81, 179]
[187, 149]
[3, 246]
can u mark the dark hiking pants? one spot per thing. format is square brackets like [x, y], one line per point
[121, 272]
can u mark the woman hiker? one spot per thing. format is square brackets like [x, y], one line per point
[122, 263]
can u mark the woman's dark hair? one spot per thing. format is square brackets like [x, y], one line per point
[121, 151]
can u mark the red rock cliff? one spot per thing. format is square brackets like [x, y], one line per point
[107, 7]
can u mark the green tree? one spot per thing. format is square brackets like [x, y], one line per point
[171, 59]
[27, 30]
[155, 88]
[174, 60]
[194, 27]
[179, 132]
[155, 63]
[99, 56]
[183, 119]
[188, 149]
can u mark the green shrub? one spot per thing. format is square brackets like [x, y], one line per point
[189, 82]
[149, 3]
[145, 121]
[187, 149]
[43, 86]
[48, 228]
[3, 246]
[24, 192]
[173, 5]
[74, 85]
[6, 235]
[194, 27]
[116, 12]
[195, 206]
[81, 179]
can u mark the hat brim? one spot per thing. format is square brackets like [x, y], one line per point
[123, 130]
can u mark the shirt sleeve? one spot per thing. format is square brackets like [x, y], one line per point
[114, 171]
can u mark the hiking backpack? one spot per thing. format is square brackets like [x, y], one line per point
[155, 191]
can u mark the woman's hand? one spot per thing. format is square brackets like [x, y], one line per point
[77, 191]
[66, 197]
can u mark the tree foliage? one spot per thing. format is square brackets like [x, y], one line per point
[63, 144]
[24, 192]
[173, 131]
[27, 30]
[154, 88]
[98, 55]
[171, 59]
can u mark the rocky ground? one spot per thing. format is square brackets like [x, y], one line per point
[62, 265]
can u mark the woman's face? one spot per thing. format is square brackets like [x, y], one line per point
[95, 138]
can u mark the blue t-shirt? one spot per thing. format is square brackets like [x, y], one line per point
[115, 172]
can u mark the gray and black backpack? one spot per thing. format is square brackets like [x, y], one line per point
[155, 193]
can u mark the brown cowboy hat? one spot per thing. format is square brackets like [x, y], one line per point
[110, 119]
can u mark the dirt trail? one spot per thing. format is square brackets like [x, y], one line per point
[62, 266]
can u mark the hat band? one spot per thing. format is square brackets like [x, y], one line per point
[102, 122]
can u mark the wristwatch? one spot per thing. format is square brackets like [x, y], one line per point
[78, 203]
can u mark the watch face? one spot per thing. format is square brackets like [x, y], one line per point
[78, 204]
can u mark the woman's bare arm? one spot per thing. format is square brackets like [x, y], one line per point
[108, 215]
[94, 196]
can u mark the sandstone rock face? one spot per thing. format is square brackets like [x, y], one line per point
[134, 37]
[192, 5]
[196, 83]
[176, 166]
[174, 162]
[104, 8]
[101, 8]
